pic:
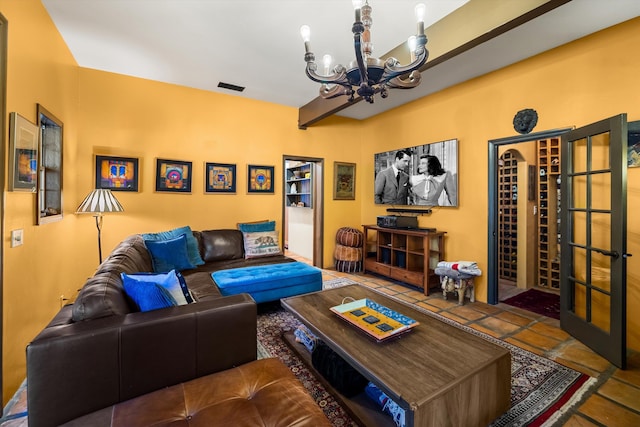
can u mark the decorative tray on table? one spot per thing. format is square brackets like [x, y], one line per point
[376, 320]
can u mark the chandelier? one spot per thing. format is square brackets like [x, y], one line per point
[367, 75]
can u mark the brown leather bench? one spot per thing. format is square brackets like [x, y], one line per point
[263, 392]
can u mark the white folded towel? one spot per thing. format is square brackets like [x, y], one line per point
[467, 267]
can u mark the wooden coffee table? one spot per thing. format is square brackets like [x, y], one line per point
[440, 374]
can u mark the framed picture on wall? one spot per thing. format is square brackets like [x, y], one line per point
[23, 154]
[117, 173]
[633, 150]
[428, 177]
[344, 181]
[219, 178]
[173, 176]
[50, 167]
[260, 179]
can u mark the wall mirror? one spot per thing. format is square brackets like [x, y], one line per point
[49, 203]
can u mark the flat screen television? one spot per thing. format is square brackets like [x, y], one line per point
[428, 175]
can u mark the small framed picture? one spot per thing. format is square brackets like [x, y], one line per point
[344, 181]
[23, 154]
[260, 179]
[173, 176]
[117, 173]
[219, 178]
[633, 148]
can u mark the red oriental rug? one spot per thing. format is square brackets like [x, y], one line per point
[542, 391]
[539, 302]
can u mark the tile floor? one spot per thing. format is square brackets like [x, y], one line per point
[615, 402]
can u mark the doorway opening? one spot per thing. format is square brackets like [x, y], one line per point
[590, 241]
[524, 236]
[303, 207]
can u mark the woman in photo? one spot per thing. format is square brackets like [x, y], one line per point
[431, 182]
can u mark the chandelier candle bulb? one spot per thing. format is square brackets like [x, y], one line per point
[305, 32]
[357, 5]
[326, 60]
[413, 43]
[420, 11]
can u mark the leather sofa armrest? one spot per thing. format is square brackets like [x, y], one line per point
[74, 369]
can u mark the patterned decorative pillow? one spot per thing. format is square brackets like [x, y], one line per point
[172, 281]
[261, 244]
[168, 255]
[192, 244]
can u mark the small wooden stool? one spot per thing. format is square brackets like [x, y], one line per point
[462, 286]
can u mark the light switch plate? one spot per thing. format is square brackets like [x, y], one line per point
[16, 237]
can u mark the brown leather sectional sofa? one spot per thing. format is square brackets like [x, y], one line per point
[99, 351]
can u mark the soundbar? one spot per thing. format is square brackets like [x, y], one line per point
[403, 210]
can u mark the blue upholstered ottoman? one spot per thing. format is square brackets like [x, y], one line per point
[269, 282]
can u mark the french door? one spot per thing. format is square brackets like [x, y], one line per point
[593, 234]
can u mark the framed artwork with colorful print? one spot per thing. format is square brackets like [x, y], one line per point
[260, 179]
[219, 178]
[173, 176]
[117, 173]
[23, 154]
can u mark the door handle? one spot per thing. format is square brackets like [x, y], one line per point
[626, 255]
[612, 254]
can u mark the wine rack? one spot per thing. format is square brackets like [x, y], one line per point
[548, 213]
[508, 218]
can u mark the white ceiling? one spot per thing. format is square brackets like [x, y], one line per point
[257, 44]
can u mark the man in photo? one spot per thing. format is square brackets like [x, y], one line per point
[392, 184]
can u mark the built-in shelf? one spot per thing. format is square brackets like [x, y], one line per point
[508, 218]
[298, 186]
[548, 218]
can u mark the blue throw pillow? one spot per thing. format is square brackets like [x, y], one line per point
[255, 227]
[148, 295]
[172, 281]
[192, 244]
[168, 255]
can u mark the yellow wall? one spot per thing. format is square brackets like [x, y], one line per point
[573, 85]
[140, 118]
[105, 113]
[40, 70]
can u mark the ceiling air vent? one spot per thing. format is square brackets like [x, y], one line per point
[230, 86]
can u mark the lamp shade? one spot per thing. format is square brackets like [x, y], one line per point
[100, 201]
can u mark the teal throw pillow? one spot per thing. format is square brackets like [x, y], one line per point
[254, 227]
[192, 243]
[172, 281]
[168, 255]
[148, 295]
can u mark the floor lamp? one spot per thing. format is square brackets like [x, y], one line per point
[98, 202]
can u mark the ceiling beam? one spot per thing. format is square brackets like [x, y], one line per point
[467, 27]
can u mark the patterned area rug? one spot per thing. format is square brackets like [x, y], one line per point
[542, 391]
[271, 325]
[336, 283]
